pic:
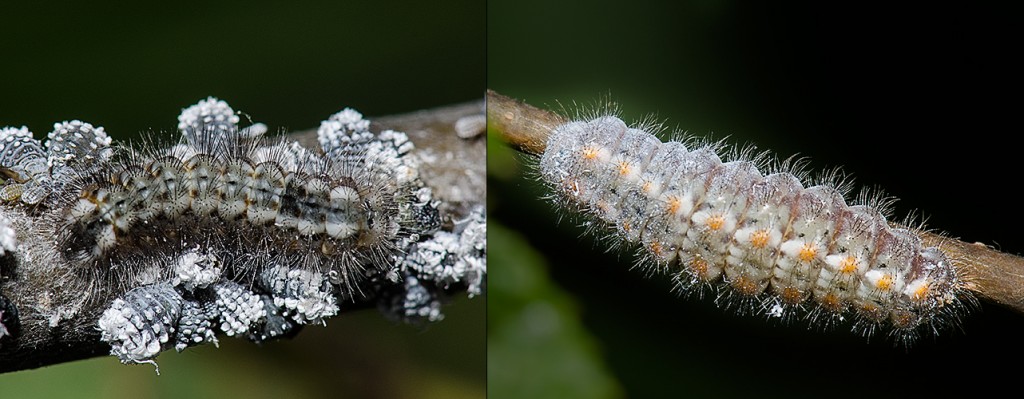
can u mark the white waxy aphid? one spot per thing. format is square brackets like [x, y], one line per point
[195, 326]
[23, 161]
[239, 308]
[305, 297]
[142, 323]
[195, 270]
[77, 143]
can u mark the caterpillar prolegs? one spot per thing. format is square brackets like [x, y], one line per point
[752, 232]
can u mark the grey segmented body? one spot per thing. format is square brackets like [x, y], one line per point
[223, 173]
[764, 239]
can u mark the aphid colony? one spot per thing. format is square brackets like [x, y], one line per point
[227, 231]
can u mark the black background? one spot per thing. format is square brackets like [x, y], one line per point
[916, 100]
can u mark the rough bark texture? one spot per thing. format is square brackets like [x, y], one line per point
[453, 167]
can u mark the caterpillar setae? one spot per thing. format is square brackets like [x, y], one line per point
[751, 230]
[229, 232]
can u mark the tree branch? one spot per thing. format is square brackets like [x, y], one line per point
[453, 167]
[992, 275]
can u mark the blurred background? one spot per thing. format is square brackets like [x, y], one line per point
[915, 100]
[132, 68]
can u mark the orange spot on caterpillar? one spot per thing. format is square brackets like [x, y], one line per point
[674, 203]
[759, 239]
[624, 168]
[831, 302]
[745, 286]
[921, 292]
[884, 283]
[791, 295]
[808, 252]
[872, 311]
[699, 267]
[657, 249]
[902, 318]
[591, 152]
[715, 222]
[848, 265]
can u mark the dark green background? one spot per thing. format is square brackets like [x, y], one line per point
[132, 68]
[916, 100]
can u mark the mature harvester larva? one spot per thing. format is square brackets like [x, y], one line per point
[760, 239]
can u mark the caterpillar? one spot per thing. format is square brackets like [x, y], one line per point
[750, 231]
[351, 209]
[229, 232]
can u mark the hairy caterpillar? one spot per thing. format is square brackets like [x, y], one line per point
[761, 240]
[110, 209]
[228, 232]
